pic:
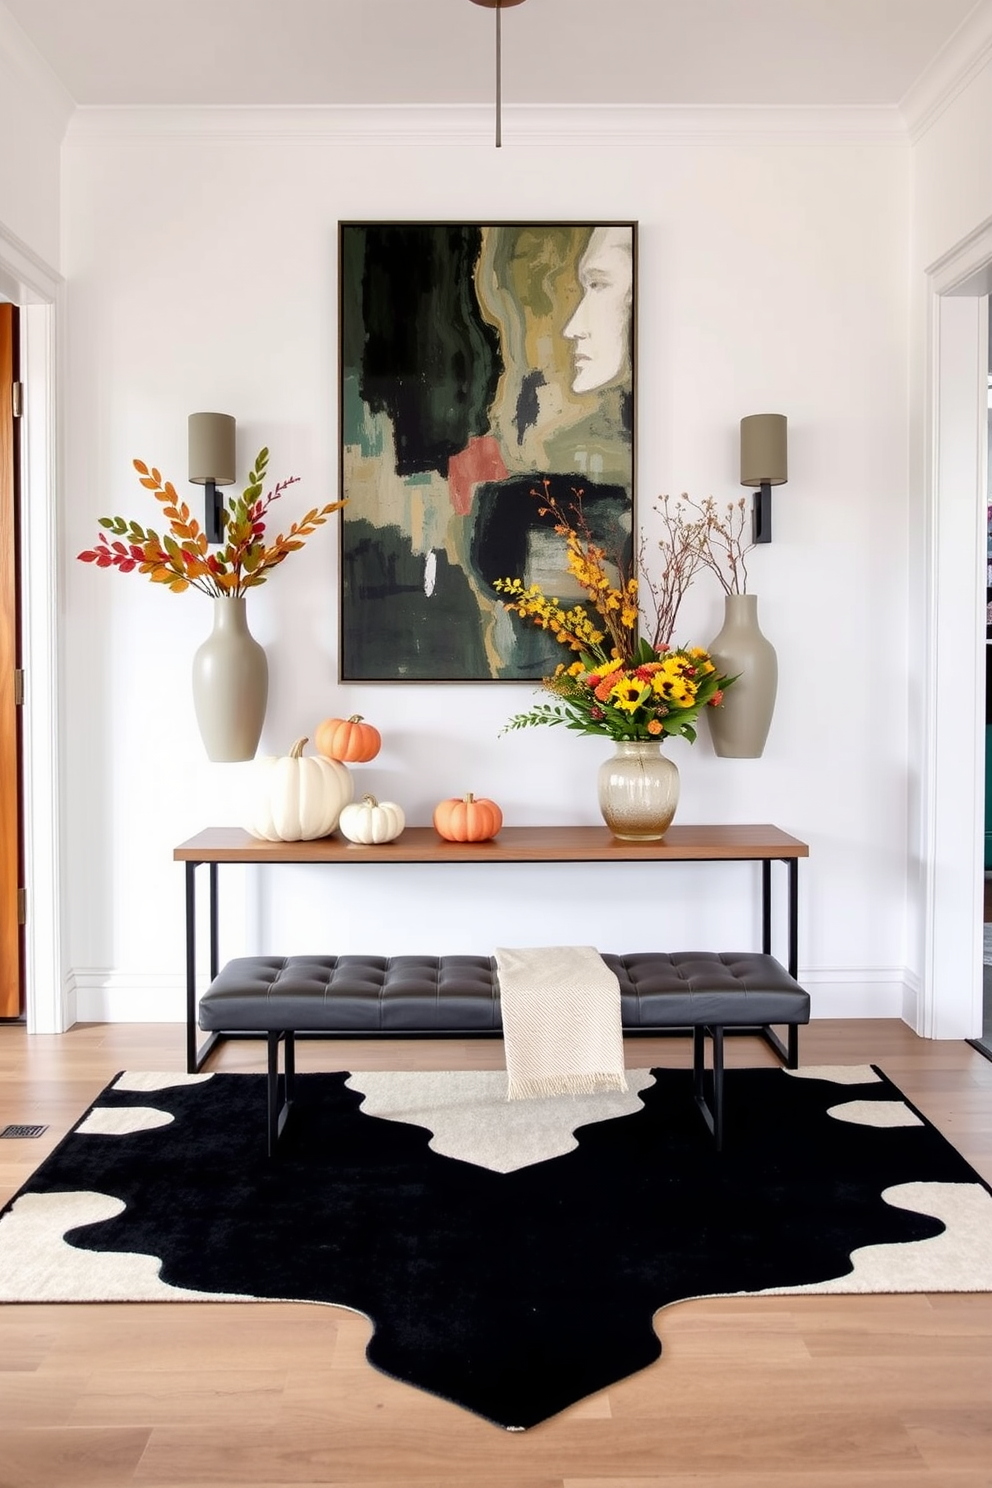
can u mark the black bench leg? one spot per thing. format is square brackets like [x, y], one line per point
[278, 1110]
[712, 1113]
[717, 1087]
[289, 1064]
[789, 1056]
[273, 1092]
[793, 1059]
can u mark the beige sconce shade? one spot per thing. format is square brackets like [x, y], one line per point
[764, 449]
[211, 449]
[764, 463]
[212, 463]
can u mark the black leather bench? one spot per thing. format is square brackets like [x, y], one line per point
[458, 996]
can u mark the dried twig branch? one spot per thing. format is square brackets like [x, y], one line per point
[724, 550]
[683, 549]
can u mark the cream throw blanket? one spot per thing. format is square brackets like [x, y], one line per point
[561, 1021]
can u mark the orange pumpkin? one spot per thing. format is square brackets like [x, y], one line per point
[347, 739]
[466, 819]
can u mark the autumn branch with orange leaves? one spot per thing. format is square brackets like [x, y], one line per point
[181, 559]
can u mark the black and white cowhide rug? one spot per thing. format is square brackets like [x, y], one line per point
[511, 1255]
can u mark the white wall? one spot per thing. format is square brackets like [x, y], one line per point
[773, 276]
[33, 114]
[952, 183]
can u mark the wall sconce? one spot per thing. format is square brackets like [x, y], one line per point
[764, 463]
[212, 463]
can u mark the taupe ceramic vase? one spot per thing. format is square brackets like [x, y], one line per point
[230, 685]
[638, 790]
[739, 727]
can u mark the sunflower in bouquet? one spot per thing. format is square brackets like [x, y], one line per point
[620, 686]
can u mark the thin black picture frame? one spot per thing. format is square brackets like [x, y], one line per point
[476, 361]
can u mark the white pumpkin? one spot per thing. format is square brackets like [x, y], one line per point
[368, 821]
[295, 799]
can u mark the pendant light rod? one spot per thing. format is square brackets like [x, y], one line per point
[498, 6]
[499, 75]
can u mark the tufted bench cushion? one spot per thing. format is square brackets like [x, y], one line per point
[365, 995]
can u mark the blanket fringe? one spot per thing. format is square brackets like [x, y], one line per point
[545, 1086]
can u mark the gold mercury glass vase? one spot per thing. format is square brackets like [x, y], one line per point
[638, 790]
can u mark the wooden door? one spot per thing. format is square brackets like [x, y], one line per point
[11, 938]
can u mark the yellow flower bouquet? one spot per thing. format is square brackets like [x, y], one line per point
[620, 687]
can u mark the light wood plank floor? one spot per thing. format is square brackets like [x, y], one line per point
[872, 1392]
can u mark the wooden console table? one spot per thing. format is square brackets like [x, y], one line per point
[681, 844]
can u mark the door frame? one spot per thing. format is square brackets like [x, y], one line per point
[950, 821]
[38, 291]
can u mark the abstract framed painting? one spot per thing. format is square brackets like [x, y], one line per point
[477, 362]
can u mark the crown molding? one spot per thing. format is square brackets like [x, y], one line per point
[21, 57]
[460, 125]
[962, 57]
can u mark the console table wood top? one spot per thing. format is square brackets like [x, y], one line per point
[681, 843]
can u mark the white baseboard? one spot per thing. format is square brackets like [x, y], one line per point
[912, 1002]
[70, 1004]
[876, 992]
[126, 997]
[95, 996]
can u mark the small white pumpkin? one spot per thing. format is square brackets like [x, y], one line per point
[368, 821]
[296, 799]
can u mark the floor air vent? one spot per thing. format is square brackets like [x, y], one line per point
[23, 1131]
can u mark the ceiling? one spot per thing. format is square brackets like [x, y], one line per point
[556, 52]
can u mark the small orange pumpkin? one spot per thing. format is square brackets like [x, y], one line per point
[347, 739]
[467, 819]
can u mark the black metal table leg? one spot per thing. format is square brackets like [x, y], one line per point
[196, 1057]
[793, 867]
[191, 1062]
[214, 934]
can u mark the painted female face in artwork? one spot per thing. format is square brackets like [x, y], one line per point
[600, 326]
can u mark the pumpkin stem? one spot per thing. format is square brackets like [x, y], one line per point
[297, 749]
[469, 799]
[369, 801]
[355, 718]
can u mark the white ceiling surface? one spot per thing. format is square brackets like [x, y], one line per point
[680, 53]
